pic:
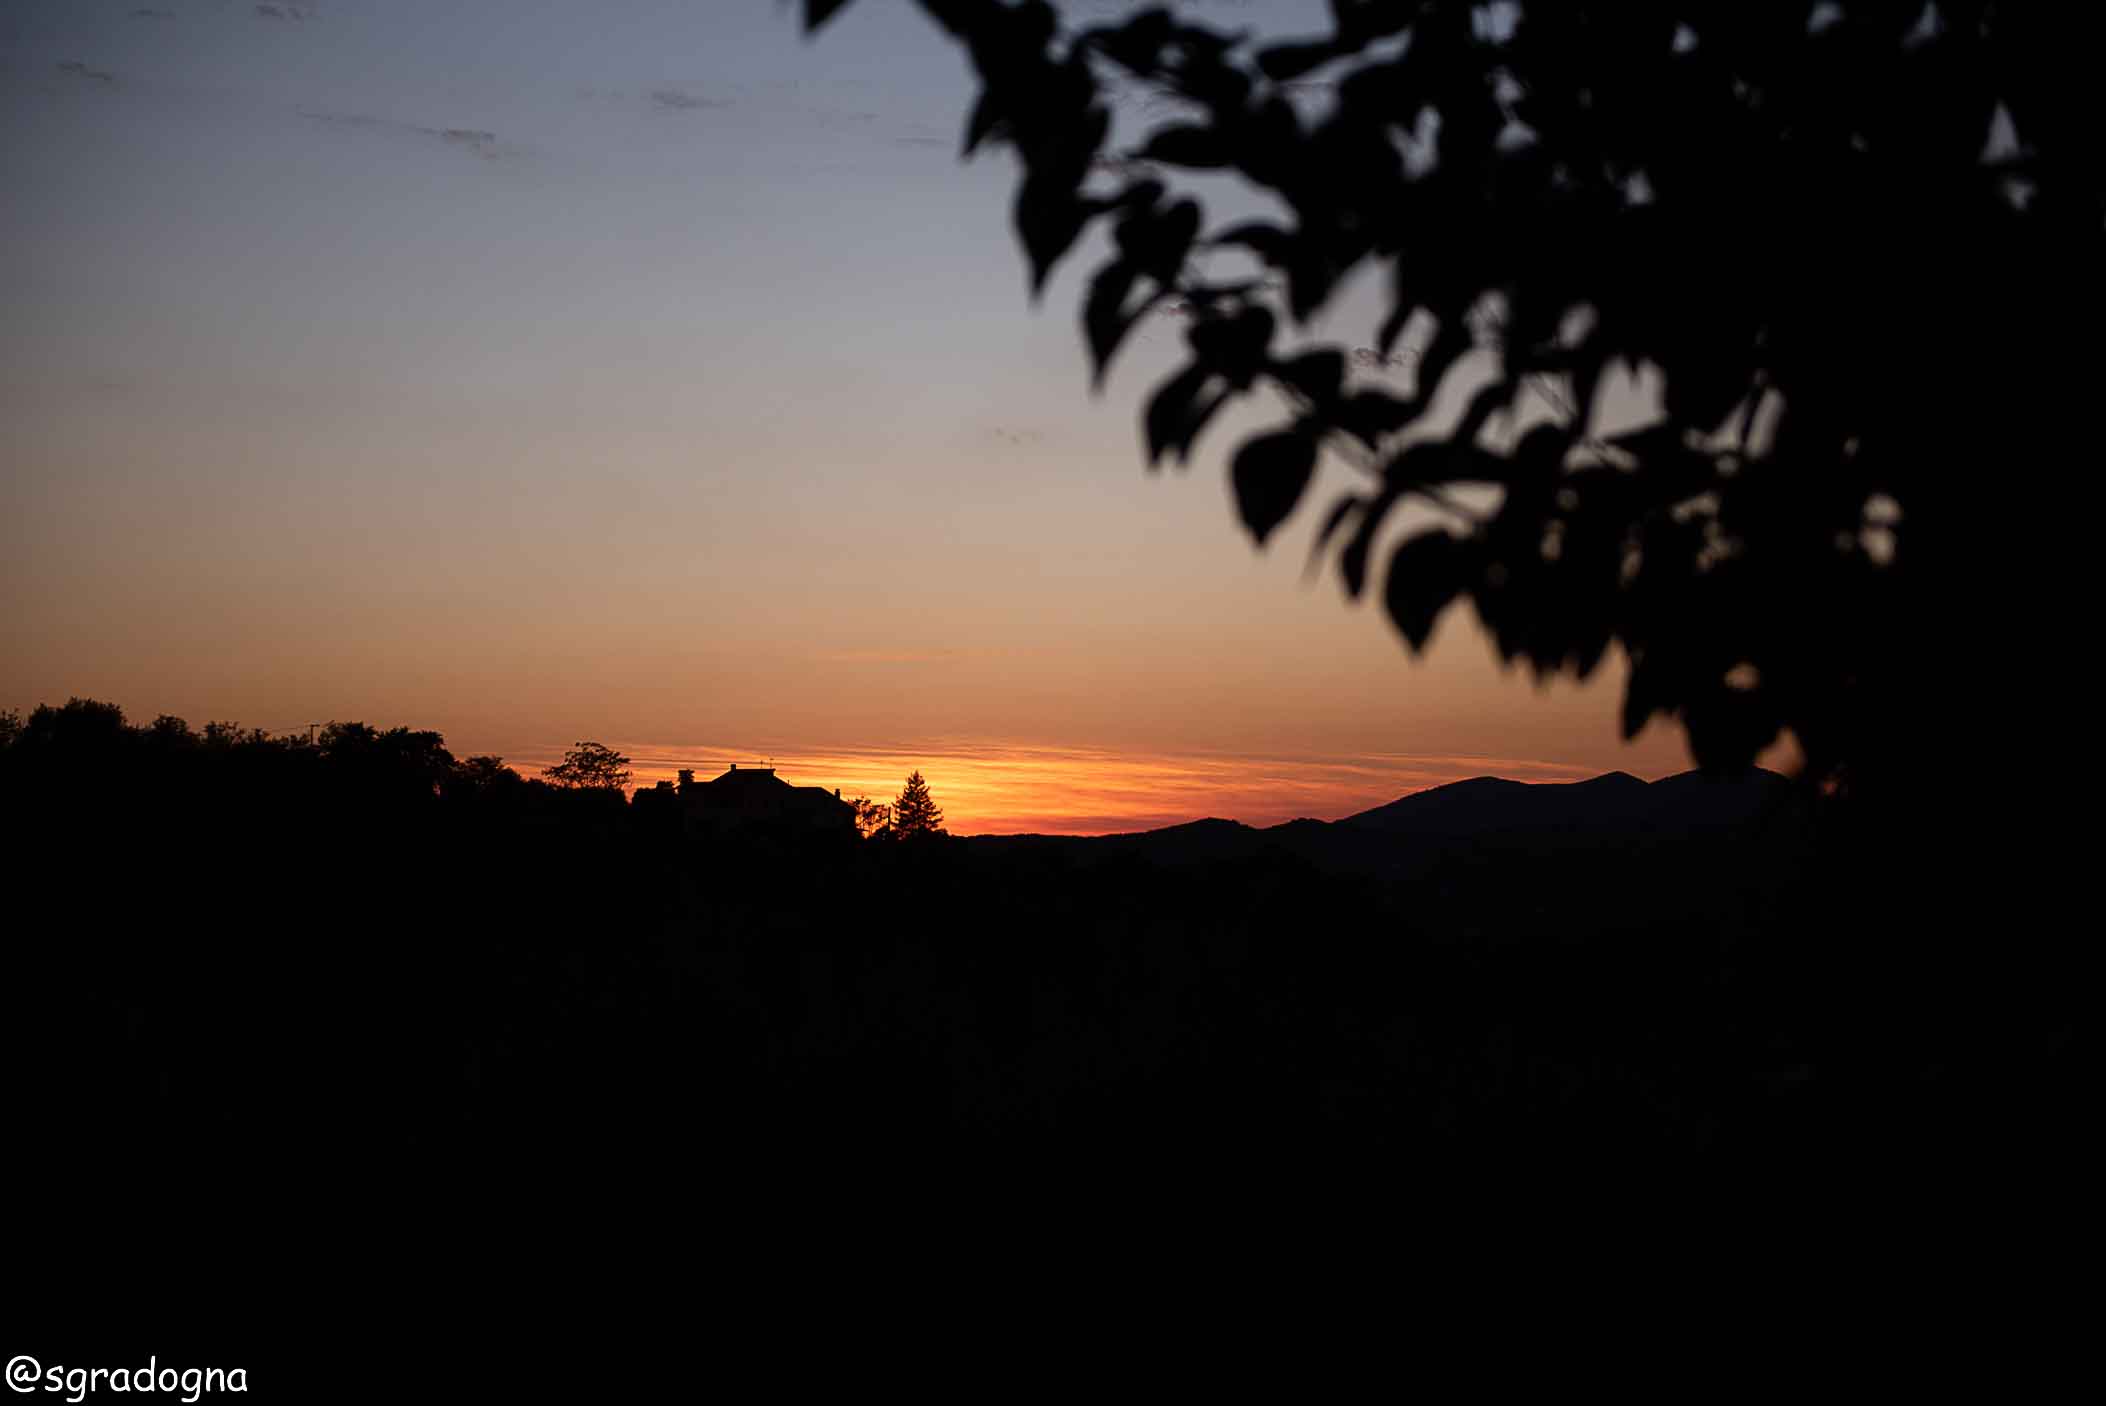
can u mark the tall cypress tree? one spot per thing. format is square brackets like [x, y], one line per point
[916, 812]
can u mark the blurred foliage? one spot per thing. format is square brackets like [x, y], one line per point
[1853, 244]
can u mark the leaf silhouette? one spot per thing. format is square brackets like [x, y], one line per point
[1049, 219]
[1352, 562]
[1178, 411]
[1282, 62]
[1200, 148]
[1343, 509]
[1268, 241]
[1424, 576]
[818, 12]
[1270, 473]
[1158, 240]
[982, 123]
[1317, 374]
[1106, 319]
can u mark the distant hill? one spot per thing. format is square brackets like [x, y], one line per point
[1483, 817]
[1488, 805]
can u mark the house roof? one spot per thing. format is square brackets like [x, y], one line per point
[757, 781]
[746, 776]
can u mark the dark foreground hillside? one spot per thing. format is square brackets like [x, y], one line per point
[366, 958]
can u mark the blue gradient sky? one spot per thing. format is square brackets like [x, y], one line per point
[635, 370]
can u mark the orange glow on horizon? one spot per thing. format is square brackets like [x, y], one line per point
[1017, 788]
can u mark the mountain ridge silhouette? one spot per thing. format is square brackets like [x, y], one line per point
[1476, 814]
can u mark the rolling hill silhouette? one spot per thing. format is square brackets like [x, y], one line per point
[1485, 817]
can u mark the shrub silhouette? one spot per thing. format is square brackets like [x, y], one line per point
[871, 817]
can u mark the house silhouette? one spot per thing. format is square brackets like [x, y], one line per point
[754, 796]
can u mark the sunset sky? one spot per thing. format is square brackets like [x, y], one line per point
[636, 370]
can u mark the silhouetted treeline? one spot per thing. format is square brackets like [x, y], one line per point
[362, 953]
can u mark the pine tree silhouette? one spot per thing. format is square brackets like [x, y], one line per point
[916, 812]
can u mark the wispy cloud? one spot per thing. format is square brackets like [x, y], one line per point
[907, 656]
[482, 142]
[76, 69]
[679, 101]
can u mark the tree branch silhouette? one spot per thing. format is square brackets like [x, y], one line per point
[1791, 204]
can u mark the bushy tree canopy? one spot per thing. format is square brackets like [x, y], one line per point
[1846, 247]
[590, 766]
